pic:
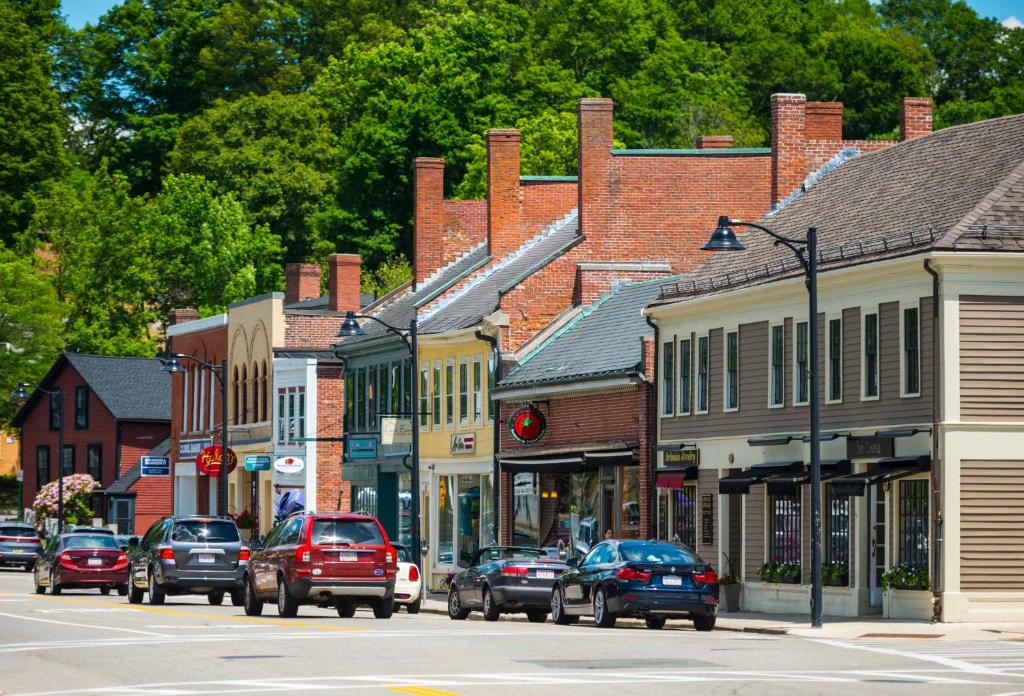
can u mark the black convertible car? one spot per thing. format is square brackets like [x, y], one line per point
[653, 580]
[505, 579]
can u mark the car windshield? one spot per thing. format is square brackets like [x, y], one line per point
[506, 553]
[17, 532]
[89, 541]
[403, 555]
[647, 552]
[204, 530]
[91, 530]
[346, 532]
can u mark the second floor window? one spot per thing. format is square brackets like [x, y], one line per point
[911, 351]
[55, 411]
[803, 374]
[449, 392]
[702, 374]
[492, 404]
[777, 379]
[732, 370]
[464, 391]
[350, 401]
[291, 415]
[478, 392]
[42, 465]
[871, 355]
[67, 464]
[685, 374]
[668, 387]
[372, 396]
[81, 407]
[424, 395]
[94, 462]
[436, 384]
[835, 360]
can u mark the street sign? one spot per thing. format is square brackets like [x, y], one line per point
[21, 475]
[208, 461]
[155, 466]
[257, 462]
[361, 447]
[288, 465]
[395, 430]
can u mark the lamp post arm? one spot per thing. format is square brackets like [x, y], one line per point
[391, 329]
[215, 369]
[797, 246]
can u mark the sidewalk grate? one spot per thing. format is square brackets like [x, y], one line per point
[907, 636]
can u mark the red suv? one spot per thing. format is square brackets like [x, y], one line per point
[339, 560]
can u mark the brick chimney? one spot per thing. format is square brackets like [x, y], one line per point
[915, 117]
[181, 316]
[302, 282]
[428, 214]
[823, 120]
[713, 142]
[504, 193]
[594, 128]
[343, 282]
[789, 167]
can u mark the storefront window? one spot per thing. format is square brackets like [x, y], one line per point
[569, 510]
[914, 523]
[489, 535]
[662, 529]
[629, 495]
[837, 531]
[445, 520]
[684, 514]
[364, 499]
[525, 512]
[784, 528]
[469, 516]
[405, 508]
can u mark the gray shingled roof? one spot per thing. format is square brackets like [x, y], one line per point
[322, 302]
[129, 478]
[480, 296]
[130, 388]
[914, 196]
[603, 340]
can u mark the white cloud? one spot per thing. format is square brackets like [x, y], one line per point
[1012, 22]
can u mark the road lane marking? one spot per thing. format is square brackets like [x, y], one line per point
[92, 626]
[948, 660]
[421, 691]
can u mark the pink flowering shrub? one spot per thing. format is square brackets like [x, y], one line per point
[77, 490]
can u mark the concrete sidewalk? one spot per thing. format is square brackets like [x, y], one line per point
[834, 627]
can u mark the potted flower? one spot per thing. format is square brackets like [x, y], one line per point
[835, 574]
[788, 573]
[246, 522]
[905, 577]
[730, 588]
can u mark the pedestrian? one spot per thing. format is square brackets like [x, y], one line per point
[608, 534]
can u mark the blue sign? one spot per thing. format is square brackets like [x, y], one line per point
[257, 462]
[361, 447]
[155, 466]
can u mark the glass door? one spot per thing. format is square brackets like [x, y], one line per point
[876, 553]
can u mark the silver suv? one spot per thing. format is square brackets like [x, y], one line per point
[189, 555]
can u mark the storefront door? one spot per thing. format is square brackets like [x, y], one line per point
[876, 558]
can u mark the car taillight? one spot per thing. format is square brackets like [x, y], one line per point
[708, 577]
[122, 561]
[302, 554]
[167, 553]
[515, 570]
[414, 574]
[244, 554]
[389, 555]
[65, 557]
[628, 573]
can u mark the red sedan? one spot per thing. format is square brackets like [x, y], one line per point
[75, 561]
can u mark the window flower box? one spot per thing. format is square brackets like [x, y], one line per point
[785, 573]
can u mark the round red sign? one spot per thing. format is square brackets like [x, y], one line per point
[208, 460]
[527, 424]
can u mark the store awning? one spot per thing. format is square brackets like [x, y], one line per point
[888, 470]
[674, 478]
[740, 482]
[568, 463]
[789, 482]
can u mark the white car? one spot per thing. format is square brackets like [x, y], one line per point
[408, 583]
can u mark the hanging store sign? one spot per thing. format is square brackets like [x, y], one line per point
[288, 465]
[155, 466]
[869, 447]
[190, 449]
[689, 457]
[208, 460]
[395, 430]
[360, 447]
[527, 424]
[463, 443]
[257, 462]
[707, 519]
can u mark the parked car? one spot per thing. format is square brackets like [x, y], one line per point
[653, 580]
[19, 545]
[189, 555]
[408, 582]
[505, 579]
[73, 561]
[339, 560]
[86, 529]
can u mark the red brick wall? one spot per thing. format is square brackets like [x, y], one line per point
[505, 231]
[344, 282]
[317, 331]
[592, 284]
[302, 282]
[465, 227]
[153, 495]
[789, 168]
[428, 215]
[332, 494]
[544, 202]
[915, 117]
[824, 120]
[818, 152]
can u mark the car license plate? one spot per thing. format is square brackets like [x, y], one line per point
[348, 556]
[206, 558]
[672, 581]
[19, 551]
[95, 561]
[546, 574]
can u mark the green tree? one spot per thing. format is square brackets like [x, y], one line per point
[30, 325]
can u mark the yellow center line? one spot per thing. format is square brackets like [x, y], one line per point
[195, 615]
[421, 691]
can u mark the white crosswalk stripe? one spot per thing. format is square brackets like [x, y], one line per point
[992, 657]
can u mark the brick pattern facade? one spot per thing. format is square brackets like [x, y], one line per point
[823, 121]
[915, 117]
[465, 227]
[332, 494]
[428, 216]
[545, 202]
[505, 230]
[302, 282]
[312, 331]
[343, 282]
[592, 284]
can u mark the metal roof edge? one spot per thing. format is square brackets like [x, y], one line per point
[539, 265]
[195, 325]
[706, 152]
[434, 294]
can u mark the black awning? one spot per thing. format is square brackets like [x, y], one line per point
[888, 470]
[569, 463]
[613, 458]
[740, 483]
[789, 482]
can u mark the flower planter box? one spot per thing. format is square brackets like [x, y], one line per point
[907, 604]
[776, 597]
[729, 597]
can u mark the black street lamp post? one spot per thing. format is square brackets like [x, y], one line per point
[723, 238]
[350, 327]
[20, 394]
[171, 364]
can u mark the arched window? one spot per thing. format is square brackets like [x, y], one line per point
[244, 405]
[234, 396]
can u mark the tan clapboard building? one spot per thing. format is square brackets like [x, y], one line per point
[921, 365]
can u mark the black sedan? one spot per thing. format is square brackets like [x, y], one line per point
[505, 579]
[653, 580]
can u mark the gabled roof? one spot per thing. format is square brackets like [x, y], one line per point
[602, 341]
[932, 192]
[129, 478]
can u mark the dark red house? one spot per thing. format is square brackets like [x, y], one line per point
[115, 411]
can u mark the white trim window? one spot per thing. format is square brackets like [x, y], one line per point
[910, 350]
[776, 366]
[834, 360]
[703, 378]
[184, 402]
[291, 415]
[424, 395]
[492, 403]
[801, 364]
[870, 354]
[685, 376]
[464, 391]
[449, 393]
[436, 393]
[731, 370]
[668, 377]
[478, 390]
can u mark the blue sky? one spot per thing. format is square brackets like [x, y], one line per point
[81, 11]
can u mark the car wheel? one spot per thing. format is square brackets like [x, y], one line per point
[55, 587]
[253, 605]
[104, 591]
[135, 594]
[346, 608]
[287, 606]
[237, 598]
[414, 608]
[603, 617]
[122, 590]
[704, 623]
[215, 598]
[40, 589]
[656, 623]
[537, 616]
[491, 611]
[455, 610]
[558, 614]
[156, 593]
[29, 567]
[384, 608]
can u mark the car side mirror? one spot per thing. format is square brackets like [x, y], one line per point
[572, 562]
[463, 564]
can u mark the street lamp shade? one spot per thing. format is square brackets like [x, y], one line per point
[350, 327]
[171, 365]
[21, 393]
[723, 238]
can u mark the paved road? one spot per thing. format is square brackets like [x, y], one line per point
[82, 643]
